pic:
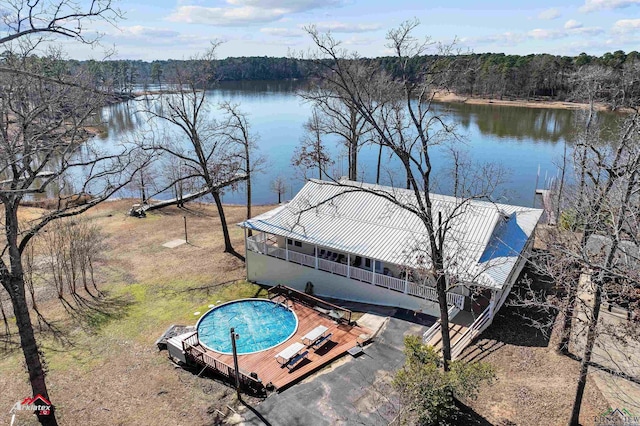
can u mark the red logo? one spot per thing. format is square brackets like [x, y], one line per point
[38, 404]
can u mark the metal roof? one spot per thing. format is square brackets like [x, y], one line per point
[366, 220]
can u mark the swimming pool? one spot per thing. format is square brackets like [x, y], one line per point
[261, 324]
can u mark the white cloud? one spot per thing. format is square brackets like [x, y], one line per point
[591, 5]
[343, 27]
[291, 5]
[282, 32]
[572, 24]
[244, 12]
[541, 34]
[503, 39]
[141, 31]
[225, 17]
[591, 31]
[359, 41]
[626, 25]
[552, 13]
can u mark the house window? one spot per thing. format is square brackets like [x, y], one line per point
[367, 263]
[298, 243]
[289, 242]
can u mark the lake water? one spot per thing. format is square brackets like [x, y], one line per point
[522, 140]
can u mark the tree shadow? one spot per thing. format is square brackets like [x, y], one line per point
[326, 347]
[92, 314]
[467, 416]
[234, 253]
[510, 327]
[255, 412]
[606, 369]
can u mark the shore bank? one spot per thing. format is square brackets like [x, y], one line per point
[453, 98]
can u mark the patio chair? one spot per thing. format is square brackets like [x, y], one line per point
[334, 257]
[341, 259]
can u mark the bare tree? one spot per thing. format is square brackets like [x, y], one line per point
[398, 109]
[337, 116]
[23, 18]
[279, 186]
[43, 148]
[592, 256]
[237, 129]
[311, 154]
[208, 159]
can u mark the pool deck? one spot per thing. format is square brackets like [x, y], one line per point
[264, 364]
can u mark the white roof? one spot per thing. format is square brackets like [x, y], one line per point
[368, 223]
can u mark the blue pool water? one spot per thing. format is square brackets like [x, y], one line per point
[261, 324]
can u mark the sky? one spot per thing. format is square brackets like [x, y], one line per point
[180, 29]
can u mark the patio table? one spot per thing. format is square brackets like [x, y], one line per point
[311, 337]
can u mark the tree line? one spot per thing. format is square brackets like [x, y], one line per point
[485, 75]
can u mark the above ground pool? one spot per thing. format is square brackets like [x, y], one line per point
[261, 324]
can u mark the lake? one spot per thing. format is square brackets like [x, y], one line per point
[522, 140]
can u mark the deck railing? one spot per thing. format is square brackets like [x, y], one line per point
[257, 244]
[190, 345]
[336, 312]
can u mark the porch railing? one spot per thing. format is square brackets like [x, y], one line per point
[257, 244]
[362, 275]
[302, 259]
[390, 282]
[333, 267]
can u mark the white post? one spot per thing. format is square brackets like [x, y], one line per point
[316, 256]
[264, 238]
[492, 303]
[406, 280]
[348, 265]
[286, 249]
[246, 243]
[373, 270]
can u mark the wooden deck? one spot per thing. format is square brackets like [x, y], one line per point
[264, 364]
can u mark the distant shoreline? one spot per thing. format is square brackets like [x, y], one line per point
[453, 98]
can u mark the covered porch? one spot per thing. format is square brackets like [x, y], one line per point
[393, 277]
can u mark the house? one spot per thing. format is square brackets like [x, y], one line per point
[351, 241]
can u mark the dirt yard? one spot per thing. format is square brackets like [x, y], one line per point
[535, 385]
[106, 370]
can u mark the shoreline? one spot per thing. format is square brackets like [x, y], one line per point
[453, 98]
